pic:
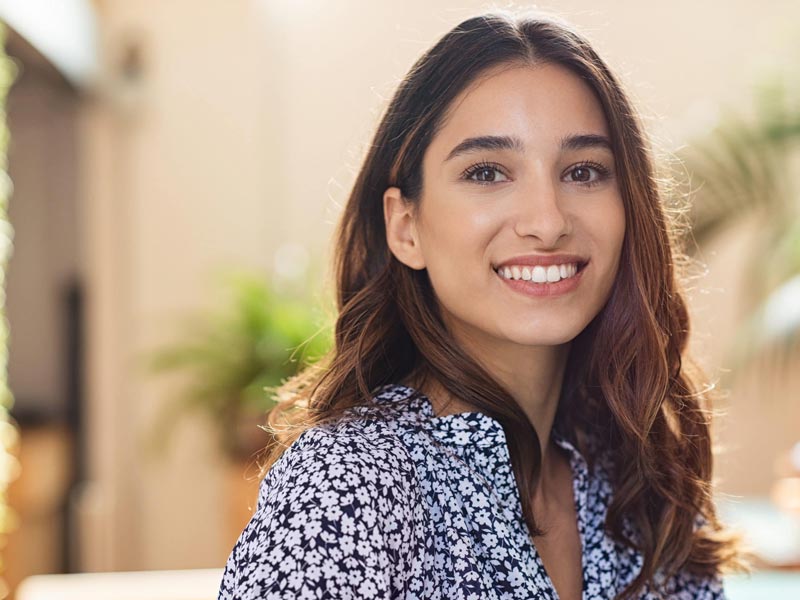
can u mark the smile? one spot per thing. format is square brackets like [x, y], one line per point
[539, 280]
[539, 273]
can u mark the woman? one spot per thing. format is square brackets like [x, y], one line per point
[507, 412]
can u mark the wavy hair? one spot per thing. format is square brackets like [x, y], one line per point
[628, 381]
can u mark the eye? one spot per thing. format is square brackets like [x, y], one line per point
[487, 173]
[584, 173]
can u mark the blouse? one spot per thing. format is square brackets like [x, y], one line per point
[401, 503]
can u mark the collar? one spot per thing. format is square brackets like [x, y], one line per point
[480, 442]
[474, 429]
[477, 439]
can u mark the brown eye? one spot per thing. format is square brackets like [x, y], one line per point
[484, 173]
[582, 174]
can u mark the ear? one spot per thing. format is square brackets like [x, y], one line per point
[401, 230]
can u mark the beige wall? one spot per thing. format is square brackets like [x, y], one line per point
[244, 133]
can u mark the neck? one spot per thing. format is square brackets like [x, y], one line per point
[533, 375]
[534, 378]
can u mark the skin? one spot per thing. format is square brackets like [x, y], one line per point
[533, 200]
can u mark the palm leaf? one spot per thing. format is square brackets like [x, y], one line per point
[747, 168]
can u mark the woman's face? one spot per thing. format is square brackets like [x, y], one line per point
[520, 173]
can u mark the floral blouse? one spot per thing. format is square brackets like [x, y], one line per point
[412, 505]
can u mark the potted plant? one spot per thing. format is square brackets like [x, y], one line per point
[233, 355]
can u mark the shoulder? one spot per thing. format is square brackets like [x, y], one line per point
[350, 457]
[337, 515]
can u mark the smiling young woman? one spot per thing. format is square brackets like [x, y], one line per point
[507, 411]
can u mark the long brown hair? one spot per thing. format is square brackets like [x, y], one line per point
[627, 380]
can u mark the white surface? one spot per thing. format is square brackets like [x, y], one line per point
[64, 31]
[187, 584]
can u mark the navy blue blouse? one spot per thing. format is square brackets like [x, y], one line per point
[396, 502]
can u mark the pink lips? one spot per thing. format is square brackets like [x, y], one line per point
[544, 260]
[531, 288]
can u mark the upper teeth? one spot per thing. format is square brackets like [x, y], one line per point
[539, 274]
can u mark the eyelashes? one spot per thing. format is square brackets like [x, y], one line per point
[603, 172]
[484, 167]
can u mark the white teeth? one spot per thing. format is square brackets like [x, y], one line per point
[539, 273]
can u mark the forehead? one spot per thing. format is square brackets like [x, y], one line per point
[539, 104]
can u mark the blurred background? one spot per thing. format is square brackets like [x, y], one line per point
[172, 173]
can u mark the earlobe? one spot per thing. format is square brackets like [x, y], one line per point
[401, 231]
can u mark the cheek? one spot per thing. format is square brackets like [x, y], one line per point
[612, 239]
[608, 225]
[456, 253]
[456, 238]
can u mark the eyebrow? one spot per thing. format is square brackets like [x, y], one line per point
[507, 142]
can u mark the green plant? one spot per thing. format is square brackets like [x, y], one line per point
[747, 168]
[231, 355]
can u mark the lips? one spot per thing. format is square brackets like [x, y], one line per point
[539, 289]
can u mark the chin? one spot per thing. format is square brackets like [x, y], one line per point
[554, 342]
[545, 338]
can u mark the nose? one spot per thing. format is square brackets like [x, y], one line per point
[540, 214]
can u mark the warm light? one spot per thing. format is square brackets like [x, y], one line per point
[794, 455]
[786, 494]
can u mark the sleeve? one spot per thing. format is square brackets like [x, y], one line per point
[335, 520]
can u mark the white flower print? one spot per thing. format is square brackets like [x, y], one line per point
[396, 503]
